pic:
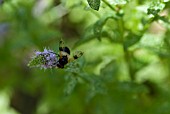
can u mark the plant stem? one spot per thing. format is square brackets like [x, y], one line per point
[127, 53]
[110, 6]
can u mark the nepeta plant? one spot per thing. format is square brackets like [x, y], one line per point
[50, 59]
[45, 59]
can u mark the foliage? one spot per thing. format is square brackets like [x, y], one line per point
[125, 67]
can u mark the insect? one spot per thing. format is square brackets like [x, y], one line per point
[49, 59]
[64, 55]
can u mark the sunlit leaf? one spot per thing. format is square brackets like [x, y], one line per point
[96, 31]
[118, 2]
[155, 8]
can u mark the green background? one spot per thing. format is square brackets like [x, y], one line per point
[125, 68]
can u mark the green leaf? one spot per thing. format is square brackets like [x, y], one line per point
[98, 26]
[38, 60]
[155, 8]
[95, 31]
[70, 85]
[94, 4]
[119, 2]
[153, 11]
[164, 19]
[109, 71]
[131, 39]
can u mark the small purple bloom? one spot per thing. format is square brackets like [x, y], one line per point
[50, 58]
[45, 51]
[47, 58]
[37, 53]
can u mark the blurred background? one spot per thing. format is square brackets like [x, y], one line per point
[125, 68]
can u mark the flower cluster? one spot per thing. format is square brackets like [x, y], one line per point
[45, 59]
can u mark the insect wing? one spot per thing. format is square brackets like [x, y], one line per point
[77, 54]
[61, 45]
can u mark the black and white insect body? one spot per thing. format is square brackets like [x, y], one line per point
[64, 55]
